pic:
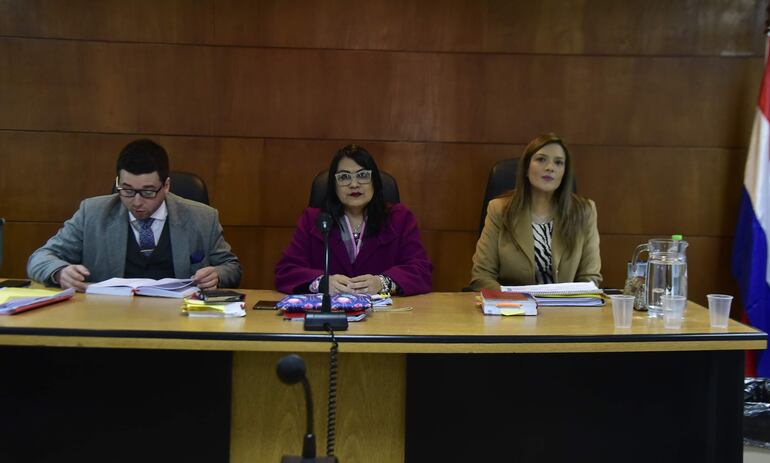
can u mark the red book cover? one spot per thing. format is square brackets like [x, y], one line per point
[495, 295]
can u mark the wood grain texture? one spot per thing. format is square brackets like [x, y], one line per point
[711, 27]
[401, 348]
[180, 21]
[662, 190]
[266, 182]
[105, 87]
[20, 241]
[370, 407]
[657, 27]
[435, 321]
[165, 89]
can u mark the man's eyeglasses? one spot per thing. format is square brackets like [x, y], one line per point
[346, 178]
[130, 192]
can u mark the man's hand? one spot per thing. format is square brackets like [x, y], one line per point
[206, 278]
[365, 284]
[72, 276]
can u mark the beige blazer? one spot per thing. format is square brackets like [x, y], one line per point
[501, 259]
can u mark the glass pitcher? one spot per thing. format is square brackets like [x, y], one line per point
[666, 271]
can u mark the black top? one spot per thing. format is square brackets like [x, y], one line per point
[159, 264]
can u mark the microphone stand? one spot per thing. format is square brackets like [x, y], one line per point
[326, 319]
[291, 369]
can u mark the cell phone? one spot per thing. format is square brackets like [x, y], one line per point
[15, 283]
[265, 305]
[222, 295]
[611, 291]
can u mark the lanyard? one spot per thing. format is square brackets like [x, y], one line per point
[356, 242]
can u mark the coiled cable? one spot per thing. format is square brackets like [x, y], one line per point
[332, 405]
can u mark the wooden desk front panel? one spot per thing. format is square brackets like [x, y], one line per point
[268, 417]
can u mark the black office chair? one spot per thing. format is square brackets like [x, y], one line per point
[187, 185]
[502, 178]
[318, 189]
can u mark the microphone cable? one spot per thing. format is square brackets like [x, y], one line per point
[332, 404]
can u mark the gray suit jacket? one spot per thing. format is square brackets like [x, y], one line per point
[96, 237]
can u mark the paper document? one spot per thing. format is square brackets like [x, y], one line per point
[17, 300]
[555, 288]
[578, 300]
[197, 308]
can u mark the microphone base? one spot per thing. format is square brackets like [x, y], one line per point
[317, 321]
[286, 459]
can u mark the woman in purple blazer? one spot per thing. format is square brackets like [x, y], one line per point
[373, 246]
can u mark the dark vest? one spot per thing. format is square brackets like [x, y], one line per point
[159, 264]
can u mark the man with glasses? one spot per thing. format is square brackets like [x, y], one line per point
[144, 231]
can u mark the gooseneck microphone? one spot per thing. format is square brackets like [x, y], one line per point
[326, 319]
[324, 225]
[291, 370]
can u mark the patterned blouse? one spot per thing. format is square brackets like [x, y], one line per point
[542, 232]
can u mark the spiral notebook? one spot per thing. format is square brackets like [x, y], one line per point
[580, 294]
[556, 289]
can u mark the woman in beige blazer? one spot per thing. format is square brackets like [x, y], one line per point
[541, 232]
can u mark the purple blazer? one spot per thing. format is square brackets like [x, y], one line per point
[396, 251]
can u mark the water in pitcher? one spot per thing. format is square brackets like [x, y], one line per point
[666, 274]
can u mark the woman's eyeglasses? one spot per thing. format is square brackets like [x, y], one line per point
[346, 178]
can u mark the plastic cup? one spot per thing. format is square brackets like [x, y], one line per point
[673, 310]
[719, 309]
[622, 310]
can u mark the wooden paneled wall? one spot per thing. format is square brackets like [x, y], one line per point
[654, 97]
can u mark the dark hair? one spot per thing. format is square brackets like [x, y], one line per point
[377, 210]
[143, 157]
[571, 209]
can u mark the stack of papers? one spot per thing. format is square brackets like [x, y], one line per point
[167, 287]
[582, 294]
[17, 300]
[198, 308]
[382, 300]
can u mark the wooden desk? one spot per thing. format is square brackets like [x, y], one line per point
[381, 416]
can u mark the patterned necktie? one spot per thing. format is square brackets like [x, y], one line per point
[146, 237]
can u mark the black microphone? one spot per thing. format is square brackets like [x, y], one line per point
[324, 224]
[325, 320]
[291, 370]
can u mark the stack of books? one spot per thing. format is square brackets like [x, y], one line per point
[507, 303]
[582, 294]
